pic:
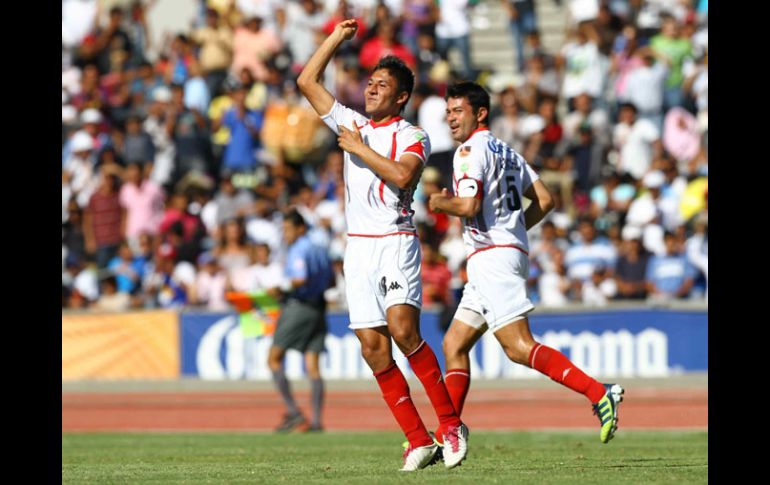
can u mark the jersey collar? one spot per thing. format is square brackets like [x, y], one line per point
[477, 130]
[385, 123]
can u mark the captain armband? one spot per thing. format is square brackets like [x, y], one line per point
[468, 188]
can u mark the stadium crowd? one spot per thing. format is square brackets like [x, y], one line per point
[179, 159]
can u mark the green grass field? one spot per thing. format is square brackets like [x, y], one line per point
[374, 458]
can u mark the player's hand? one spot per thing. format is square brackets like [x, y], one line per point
[349, 140]
[347, 28]
[435, 198]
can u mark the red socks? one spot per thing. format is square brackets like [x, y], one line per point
[458, 381]
[426, 368]
[557, 366]
[395, 391]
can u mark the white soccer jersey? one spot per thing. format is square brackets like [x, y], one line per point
[502, 176]
[374, 207]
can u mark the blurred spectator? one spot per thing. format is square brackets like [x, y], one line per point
[230, 202]
[637, 142]
[522, 20]
[554, 285]
[196, 92]
[210, 284]
[263, 273]
[581, 63]
[252, 45]
[674, 49]
[188, 129]
[540, 81]
[645, 86]
[244, 126]
[435, 278]
[418, 18]
[127, 270]
[168, 286]
[584, 156]
[82, 282]
[427, 56]
[590, 252]
[143, 201]
[113, 44]
[585, 114]
[137, 145]
[611, 199]
[697, 247]
[304, 21]
[599, 289]
[669, 275]
[681, 137]
[216, 50]
[104, 220]
[631, 267]
[431, 116]
[158, 125]
[453, 32]
[384, 44]
[232, 252]
[508, 124]
[110, 299]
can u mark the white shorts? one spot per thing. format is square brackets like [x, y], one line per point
[496, 288]
[381, 272]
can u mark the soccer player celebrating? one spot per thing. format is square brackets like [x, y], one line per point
[384, 156]
[489, 180]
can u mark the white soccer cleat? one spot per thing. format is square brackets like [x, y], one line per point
[417, 458]
[455, 445]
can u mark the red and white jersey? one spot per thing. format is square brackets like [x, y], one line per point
[487, 167]
[374, 207]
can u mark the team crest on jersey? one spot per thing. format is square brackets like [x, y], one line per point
[494, 147]
[465, 150]
[464, 166]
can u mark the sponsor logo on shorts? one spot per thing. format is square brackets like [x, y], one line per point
[384, 288]
[394, 286]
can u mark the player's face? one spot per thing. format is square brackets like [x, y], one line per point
[381, 95]
[460, 118]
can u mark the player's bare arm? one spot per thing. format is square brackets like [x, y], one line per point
[542, 203]
[309, 80]
[403, 173]
[456, 206]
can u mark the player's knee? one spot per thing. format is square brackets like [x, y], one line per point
[452, 348]
[405, 337]
[372, 352]
[517, 351]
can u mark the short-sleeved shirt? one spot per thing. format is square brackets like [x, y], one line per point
[308, 262]
[668, 273]
[502, 176]
[374, 207]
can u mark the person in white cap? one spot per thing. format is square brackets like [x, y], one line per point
[91, 121]
[155, 125]
[79, 166]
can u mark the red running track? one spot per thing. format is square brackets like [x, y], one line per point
[485, 409]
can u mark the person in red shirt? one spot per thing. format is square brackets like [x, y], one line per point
[384, 44]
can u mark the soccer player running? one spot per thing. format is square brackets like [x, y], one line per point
[489, 180]
[384, 157]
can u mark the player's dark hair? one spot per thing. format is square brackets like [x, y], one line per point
[476, 95]
[399, 70]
